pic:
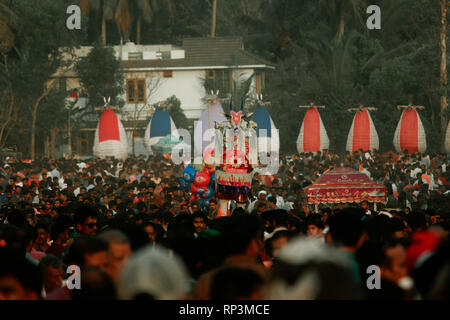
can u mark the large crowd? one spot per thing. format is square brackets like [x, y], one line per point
[135, 233]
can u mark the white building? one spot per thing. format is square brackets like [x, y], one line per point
[156, 72]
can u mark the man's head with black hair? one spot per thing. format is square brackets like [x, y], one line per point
[52, 270]
[278, 240]
[314, 224]
[236, 283]
[85, 220]
[19, 279]
[417, 221]
[96, 284]
[346, 228]
[88, 251]
[244, 235]
[199, 219]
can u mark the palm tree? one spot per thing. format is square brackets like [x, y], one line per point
[147, 9]
[342, 12]
[104, 7]
[214, 15]
[8, 21]
[123, 18]
[443, 68]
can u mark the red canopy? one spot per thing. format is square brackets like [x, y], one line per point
[343, 185]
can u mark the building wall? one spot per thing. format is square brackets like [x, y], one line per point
[185, 85]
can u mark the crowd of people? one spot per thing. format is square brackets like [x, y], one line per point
[134, 233]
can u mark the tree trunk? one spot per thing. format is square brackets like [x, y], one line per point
[33, 136]
[341, 29]
[214, 13]
[47, 145]
[53, 142]
[138, 30]
[104, 30]
[443, 69]
[69, 136]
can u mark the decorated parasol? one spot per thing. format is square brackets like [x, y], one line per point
[410, 134]
[161, 134]
[205, 127]
[268, 137]
[110, 136]
[313, 136]
[362, 134]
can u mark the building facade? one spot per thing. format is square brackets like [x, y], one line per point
[154, 73]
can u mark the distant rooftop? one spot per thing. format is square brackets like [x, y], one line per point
[195, 53]
[205, 53]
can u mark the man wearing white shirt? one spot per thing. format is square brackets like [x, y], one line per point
[54, 172]
[415, 172]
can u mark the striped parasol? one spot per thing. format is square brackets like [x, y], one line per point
[362, 134]
[110, 137]
[161, 134]
[268, 137]
[203, 136]
[410, 133]
[313, 136]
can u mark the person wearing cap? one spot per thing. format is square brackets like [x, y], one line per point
[261, 198]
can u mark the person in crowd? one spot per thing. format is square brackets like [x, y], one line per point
[118, 252]
[199, 221]
[52, 270]
[57, 207]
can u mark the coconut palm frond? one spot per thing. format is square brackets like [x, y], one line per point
[90, 5]
[85, 6]
[155, 4]
[146, 10]
[123, 18]
[8, 22]
[109, 9]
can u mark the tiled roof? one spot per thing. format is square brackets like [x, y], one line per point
[206, 52]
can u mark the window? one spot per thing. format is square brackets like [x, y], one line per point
[220, 79]
[168, 74]
[210, 74]
[136, 91]
[260, 82]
